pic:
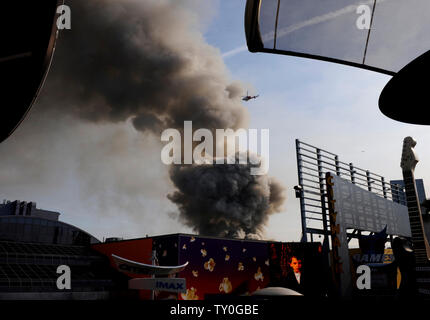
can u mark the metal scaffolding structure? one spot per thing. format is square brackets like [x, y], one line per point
[312, 165]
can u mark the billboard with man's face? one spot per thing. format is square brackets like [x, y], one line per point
[220, 266]
[298, 266]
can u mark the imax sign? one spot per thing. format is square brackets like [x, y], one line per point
[161, 284]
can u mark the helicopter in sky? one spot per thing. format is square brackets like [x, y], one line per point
[248, 97]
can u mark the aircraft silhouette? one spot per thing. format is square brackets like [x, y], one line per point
[248, 97]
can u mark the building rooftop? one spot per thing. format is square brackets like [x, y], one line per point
[23, 208]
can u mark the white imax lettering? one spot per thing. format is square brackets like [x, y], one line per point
[225, 148]
[159, 284]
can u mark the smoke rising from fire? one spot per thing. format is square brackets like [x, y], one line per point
[225, 200]
[147, 61]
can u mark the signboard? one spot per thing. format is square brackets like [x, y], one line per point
[129, 266]
[364, 210]
[159, 284]
[298, 266]
[219, 266]
[353, 207]
[385, 277]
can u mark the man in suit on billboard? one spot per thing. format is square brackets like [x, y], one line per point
[294, 279]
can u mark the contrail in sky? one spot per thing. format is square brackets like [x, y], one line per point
[300, 25]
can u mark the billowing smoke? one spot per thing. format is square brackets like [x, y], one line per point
[225, 200]
[146, 61]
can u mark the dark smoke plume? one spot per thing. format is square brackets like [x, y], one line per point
[146, 61]
[225, 200]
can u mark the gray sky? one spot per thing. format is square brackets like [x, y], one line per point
[82, 168]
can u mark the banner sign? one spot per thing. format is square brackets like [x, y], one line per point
[160, 284]
[129, 266]
[353, 207]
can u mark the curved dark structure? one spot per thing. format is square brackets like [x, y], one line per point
[333, 31]
[405, 97]
[34, 243]
[351, 32]
[28, 32]
[22, 221]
